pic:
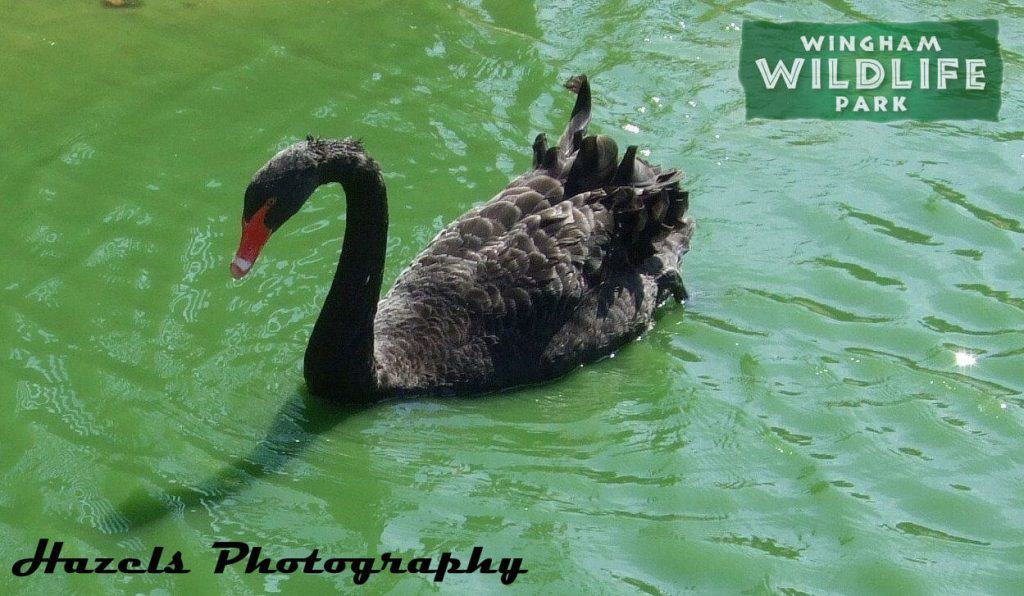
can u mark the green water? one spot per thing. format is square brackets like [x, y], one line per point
[801, 426]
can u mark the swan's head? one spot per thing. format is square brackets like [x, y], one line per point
[277, 192]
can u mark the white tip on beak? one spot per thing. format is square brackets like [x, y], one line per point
[240, 267]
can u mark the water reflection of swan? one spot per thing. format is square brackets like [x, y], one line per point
[296, 425]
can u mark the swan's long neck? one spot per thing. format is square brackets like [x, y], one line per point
[339, 360]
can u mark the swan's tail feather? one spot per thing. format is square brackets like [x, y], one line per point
[540, 147]
[651, 219]
[593, 166]
[624, 173]
[576, 142]
[647, 206]
[672, 247]
[552, 162]
[580, 117]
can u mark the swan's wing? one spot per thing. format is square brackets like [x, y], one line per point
[580, 213]
[539, 271]
[521, 242]
[565, 262]
[497, 290]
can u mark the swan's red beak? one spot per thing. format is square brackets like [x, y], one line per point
[254, 235]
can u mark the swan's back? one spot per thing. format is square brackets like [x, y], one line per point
[562, 267]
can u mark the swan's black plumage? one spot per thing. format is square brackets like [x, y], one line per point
[563, 266]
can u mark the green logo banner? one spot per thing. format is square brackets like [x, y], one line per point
[949, 70]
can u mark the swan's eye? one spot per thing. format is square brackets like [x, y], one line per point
[271, 202]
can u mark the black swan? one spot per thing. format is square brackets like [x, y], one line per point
[562, 267]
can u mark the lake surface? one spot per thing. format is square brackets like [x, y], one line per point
[801, 426]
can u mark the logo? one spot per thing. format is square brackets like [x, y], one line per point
[949, 70]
